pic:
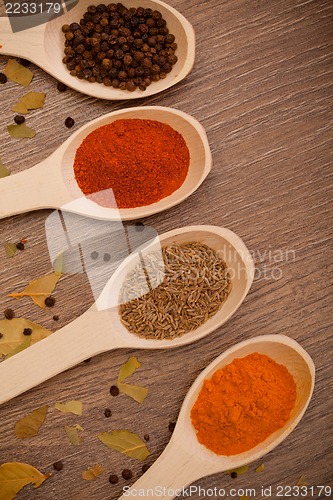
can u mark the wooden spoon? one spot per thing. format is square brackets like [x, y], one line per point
[185, 460]
[51, 183]
[100, 329]
[44, 45]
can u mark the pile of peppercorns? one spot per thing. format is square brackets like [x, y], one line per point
[119, 47]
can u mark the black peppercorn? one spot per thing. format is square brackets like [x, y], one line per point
[69, 122]
[131, 86]
[113, 479]
[114, 391]
[20, 245]
[62, 87]
[55, 317]
[145, 467]
[74, 26]
[233, 475]
[146, 437]
[49, 301]
[127, 474]
[25, 62]
[106, 257]
[172, 426]
[58, 465]
[107, 412]
[3, 78]
[27, 331]
[9, 314]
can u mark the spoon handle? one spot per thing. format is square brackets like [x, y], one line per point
[174, 470]
[87, 336]
[35, 188]
[24, 43]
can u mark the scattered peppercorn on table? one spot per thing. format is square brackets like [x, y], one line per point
[261, 89]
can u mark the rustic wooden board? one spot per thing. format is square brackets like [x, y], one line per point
[262, 88]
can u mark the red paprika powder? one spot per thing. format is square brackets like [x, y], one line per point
[142, 161]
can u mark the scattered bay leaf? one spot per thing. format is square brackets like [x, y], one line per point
[239, 471]
[12, 331]
[126, 442]
[127, 369]
[92, 472]
[39, 289]
[31, 100]
[24, 344]
[29, 425]
[136, 392]
[302, 481]
[243, 497]
[58, 266]
[70, 407]
[17, 73]
[4, 172]
[10, 249]
[260, 468]
[73, 435]
[21, 131]
[15, 475]
[78, 427]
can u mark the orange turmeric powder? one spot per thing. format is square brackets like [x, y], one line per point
[242, 404]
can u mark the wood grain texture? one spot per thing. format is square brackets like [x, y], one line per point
[262, 88]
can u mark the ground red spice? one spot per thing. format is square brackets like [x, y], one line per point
[142, 161]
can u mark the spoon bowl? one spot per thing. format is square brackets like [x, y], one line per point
[185, 460]
[99, 329]
[51, 183]
[44, 45]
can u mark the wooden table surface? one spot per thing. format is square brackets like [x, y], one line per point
[262, 88]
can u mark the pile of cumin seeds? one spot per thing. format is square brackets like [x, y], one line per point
[187, 289]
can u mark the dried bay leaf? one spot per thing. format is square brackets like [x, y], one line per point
[92, 472]
[4, 172]
[58, 266]
[10, 249]
[127, 369]
[39, 289]
[260, 468]
[239, 471]
[29, 425]
[78, 427]
[70, 407]
[302, 481]
[31, 100]
[15, 475]
[26, 343]
[73, 435]
[126, 442]
[12, 334]
[21, 131]
[136, 392]
[17, 73]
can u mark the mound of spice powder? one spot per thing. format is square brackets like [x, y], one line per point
[141, 161]
[243, 404]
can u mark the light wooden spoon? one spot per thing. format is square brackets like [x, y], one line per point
[100, 329]
[51, 183]
[185, 460]
[44, 45]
